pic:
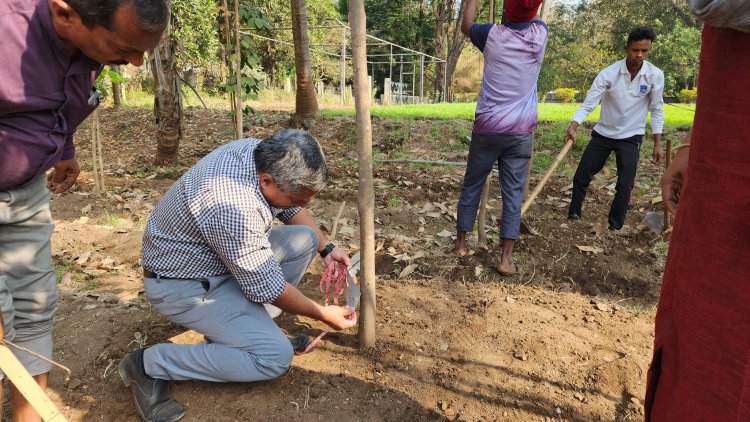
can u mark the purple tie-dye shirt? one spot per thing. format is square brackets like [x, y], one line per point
[44, 92]
[513, 56]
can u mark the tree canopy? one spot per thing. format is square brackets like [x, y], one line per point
[587, 36]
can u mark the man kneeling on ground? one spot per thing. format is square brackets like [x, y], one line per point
[212, 259]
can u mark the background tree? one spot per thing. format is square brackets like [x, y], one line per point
[306, 105]
[455, 41]
[577, 49]
[116, 87]
[277, 58]
[251, 18]
[167, 97]
[587, 36]
[403, 22]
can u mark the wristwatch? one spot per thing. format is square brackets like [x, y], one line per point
[329, 247]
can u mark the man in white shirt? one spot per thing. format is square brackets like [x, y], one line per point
[627, 90]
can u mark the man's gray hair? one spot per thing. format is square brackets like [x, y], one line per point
[295, 161]
[151, 15]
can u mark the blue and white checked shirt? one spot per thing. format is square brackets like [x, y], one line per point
[213, 221]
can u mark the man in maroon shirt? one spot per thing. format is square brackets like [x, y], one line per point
[700, 370]
[52, 51]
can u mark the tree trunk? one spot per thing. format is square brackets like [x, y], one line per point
[365, 195]
[456, 43]
[116, 87]
[306, 106]
[227, 50]
[440, 9]
[167, 98]
[237, 72]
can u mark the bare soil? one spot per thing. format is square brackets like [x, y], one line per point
[568, 339]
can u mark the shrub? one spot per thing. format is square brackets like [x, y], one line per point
[688, 95]
[565, 95]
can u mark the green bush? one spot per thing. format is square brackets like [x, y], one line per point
[565, 95]
[688, 95]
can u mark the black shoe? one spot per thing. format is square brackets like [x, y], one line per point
[574, 216]
[151, 395]
[299, 342]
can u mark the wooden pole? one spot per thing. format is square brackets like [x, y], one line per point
[365, 195]
[342, 66]
[667, 161]
[237, 71]
[96, 153]
[94, 150]
[545, 178]
[482, 217]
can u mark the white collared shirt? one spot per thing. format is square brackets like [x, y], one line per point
[625, 103]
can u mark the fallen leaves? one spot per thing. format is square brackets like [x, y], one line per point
[83, 258]
[589, 249]
[407, 270]
[444, 233]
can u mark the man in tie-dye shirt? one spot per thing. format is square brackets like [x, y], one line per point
[505, 119]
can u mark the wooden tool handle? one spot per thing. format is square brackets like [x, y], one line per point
[546, 177]
[25, 384]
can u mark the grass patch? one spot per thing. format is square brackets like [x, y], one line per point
[549, 139]
[144, 99]
[348, 162]
[61, 267]
[661, 248]
[678, 116]
[638, 308]
[419, 166]
[111, 219]
[171, 170]
[64, 266]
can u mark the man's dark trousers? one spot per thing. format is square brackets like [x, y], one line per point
[627, 152]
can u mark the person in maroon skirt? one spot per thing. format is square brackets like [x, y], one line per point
[701, 364]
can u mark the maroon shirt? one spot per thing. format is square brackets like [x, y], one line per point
[701, 365]
[44, 92]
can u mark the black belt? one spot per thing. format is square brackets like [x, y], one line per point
[151, 274]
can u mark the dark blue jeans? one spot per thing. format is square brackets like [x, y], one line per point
[627, 152]
[512, 154]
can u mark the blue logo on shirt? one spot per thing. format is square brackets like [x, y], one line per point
[644, 89]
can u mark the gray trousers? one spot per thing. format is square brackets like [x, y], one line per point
[512, 154]
[244, 344]
[28, 289]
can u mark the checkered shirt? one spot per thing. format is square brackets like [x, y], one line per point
[213, 221]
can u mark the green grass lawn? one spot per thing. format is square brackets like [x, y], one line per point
[675, 116]
[549, 135]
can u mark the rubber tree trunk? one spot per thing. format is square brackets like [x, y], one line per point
[167, 98]
[441, 10]
[227, 49]
[237, 72]
[456, 42]
[306, 105]
[365, 195]
[116, 88]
